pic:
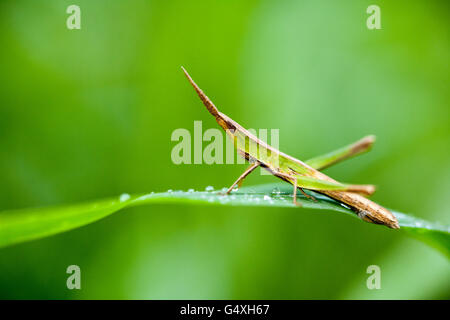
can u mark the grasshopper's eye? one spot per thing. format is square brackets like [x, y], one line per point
[231, 126]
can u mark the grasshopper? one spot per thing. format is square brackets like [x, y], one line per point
[300, 174]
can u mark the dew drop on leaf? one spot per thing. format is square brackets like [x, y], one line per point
[276, 190]
[124, 197]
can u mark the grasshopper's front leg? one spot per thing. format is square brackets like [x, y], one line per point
[242, 177]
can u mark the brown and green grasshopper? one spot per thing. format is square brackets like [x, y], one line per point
[300, 174]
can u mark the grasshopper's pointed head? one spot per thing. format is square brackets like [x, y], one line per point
[223, 121]
[206, 101]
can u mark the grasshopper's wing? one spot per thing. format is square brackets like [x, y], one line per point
[319, 184]
[326, 185]
[309, 178]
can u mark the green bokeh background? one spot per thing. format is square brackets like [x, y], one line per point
[86, 114]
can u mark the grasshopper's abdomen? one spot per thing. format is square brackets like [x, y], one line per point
[366, 209]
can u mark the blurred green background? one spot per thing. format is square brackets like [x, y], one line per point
[87, 114]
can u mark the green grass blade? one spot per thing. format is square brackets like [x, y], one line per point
[18, 226]
[28, 224]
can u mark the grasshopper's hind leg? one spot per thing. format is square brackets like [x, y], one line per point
[242, 177]
[307, 195]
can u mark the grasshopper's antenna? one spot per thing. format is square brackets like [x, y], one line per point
[208, 103]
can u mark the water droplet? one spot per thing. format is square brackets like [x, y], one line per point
[170, 191]
[190, 190]
[124, 197]
[209, 188]
[266, 197]
[276, 190]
